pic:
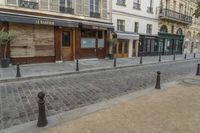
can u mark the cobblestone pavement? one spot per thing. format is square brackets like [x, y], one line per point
[18, 101]
[69, 66]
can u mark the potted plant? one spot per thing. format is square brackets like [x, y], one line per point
[6, 37]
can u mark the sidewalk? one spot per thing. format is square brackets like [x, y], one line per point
[172, 110]
[53, 69]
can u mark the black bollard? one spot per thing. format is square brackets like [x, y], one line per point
[198, 70]
[141, 58]
[194, 55]
[115, 62]
[158, 80]
[174, 57]
[77, 65]
[18, 74]
[185, 56]
[159, 58]
[42, 119]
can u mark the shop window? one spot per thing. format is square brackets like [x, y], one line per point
[88, 39]
[66, 39]
[100, 39]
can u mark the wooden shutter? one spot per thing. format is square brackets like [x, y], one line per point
[12, 2]
[104, 8]
[86, 7]
[44, 4]
[54, 5]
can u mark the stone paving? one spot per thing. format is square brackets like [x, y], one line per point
[32, 70]
[18, 100]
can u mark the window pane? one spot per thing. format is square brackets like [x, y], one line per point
[120, 46]
[126, 46]
[66, 39]
[88, 39]
[101, 39]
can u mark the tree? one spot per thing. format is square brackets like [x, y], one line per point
[5, 39]
[197, 11]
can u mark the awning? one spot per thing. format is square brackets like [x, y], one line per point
[127, 35]
[36, 20]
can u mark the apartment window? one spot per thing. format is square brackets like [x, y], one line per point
[149, 29]
[136, 27]
[121, 25]
[180, 8]
[66, 6]
[32, 4]
[150, 7]
[121, 2]
[136, 4]
[94, 6]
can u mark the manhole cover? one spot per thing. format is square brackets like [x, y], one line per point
[191, 81]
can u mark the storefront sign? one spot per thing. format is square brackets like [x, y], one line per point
[44, 22]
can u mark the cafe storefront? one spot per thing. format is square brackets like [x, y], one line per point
[42, 39]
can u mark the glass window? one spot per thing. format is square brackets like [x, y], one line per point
[66, 39]
[136, 4]
[100, 39]
[121, 25]
[136, 27]
[149, 29]
[94, 6]
[120, 46]
[126, 46]
[121, 2]
[88, 39]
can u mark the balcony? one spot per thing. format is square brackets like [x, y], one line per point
[28, 4]
[66, 10]
[95, 14]
[175, 16]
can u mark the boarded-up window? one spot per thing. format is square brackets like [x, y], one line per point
[44, 4]
[12, 2]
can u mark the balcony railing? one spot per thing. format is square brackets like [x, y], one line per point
[176, 16]
[28, 4]
[136, 6]
[66, 10]
[95, 14]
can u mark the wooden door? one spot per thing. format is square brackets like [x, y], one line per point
[67, 45]
[122, 48]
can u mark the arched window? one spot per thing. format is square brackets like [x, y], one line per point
[179, 31]
[164, 29]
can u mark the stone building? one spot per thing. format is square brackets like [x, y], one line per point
[57, 30]
[178, 29]
[136, 24]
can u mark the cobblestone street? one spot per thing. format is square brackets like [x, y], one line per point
[18, 103]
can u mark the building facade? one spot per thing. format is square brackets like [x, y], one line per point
[178, 29]
[56, 30]
[136, 24]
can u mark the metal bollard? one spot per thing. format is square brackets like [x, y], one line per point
[18, 74]
[42, 119]
[141, 58]
[198, 70]
[77, 65]
[158, 80]
[115, 62]
[159, 58]
[194, 55]
[174, 57]
[185, 56]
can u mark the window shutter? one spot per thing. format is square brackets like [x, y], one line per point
[12, 2]
[104, 8]
[54, 5]
[87, 7]
[44, 4]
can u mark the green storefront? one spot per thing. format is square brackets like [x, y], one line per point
[170, 43]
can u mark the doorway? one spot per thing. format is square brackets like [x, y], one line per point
[121, 49]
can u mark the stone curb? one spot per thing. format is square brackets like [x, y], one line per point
[89, 71]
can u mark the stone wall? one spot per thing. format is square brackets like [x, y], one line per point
[32, 40]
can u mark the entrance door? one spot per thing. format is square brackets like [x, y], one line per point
[122, 48]
[67, 48]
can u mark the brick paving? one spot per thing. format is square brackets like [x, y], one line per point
[18, 100]
[69, 66]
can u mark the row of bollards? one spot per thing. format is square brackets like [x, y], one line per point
[42, 119]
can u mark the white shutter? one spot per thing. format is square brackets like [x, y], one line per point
[44, 4]
[54, 5]
[12, 2]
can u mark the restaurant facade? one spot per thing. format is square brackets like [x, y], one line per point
[61, 33]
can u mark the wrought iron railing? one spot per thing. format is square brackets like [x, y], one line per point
[28, 4]
[95, 14]
[66, 10]
[175, 16]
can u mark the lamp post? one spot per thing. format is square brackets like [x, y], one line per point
[141, 53]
